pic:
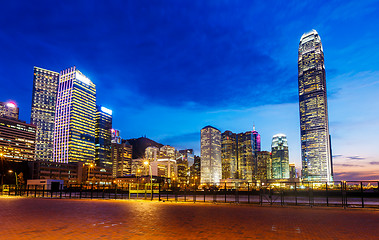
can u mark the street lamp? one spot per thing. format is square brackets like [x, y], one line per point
[15, 174]
[88, 172]
[151, 177]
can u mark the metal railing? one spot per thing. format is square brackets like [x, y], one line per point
[346, 194]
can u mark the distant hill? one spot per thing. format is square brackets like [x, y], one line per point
[140, 144]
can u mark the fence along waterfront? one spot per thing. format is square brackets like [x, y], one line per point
[346, 194]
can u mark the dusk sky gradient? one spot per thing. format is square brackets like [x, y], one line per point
[169, 68]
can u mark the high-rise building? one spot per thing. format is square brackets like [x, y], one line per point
[280, 159]
[246, 156]
[210, 155]
[229, 155]
[195, 171]
[121, 158]
[263, 159]
[9, 110]
[103, 127]
[17, 140]
[256, 141]
[74, 132]
[45, 85]
[314, 126]
[152, 153]
[293, 173]
[184, 160]
[167, 152]
[115, 136]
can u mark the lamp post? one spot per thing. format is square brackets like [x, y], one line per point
[88, 172]
[15, 174]
[2, 168]
[151, 178]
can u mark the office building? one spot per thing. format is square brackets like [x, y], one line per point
[184, 160]
[9, 110]
[246, 156]
[263, 159]
[115, 136]
[121, 158]
[229, 155]
[211, 171]
[103, 127]
[45, 85]
[74, 132]
[314, 125]
[17, 140]
[293, 173]
[280, 158]
[195, 171]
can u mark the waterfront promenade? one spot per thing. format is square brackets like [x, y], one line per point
[36, 218]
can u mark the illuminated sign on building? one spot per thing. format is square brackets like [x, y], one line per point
[106, 110]
[82, 78]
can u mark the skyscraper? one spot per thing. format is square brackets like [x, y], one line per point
[103, 127]
[314, 126]
[263, 159]
[280, 159]
[210, 155]
[246, 166]
[229, 155]
[45, 84]
[122, 158]
[74, 132]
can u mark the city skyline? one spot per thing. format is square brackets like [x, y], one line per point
[235, 69]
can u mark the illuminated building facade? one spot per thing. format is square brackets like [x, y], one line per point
[246, 156]
[152, 153]
[9, 110]
[280, 159]
[229, 155]
[103, 127]
[115, 136]
[314, 126]
[17, 140]
[164, 167]
[122, 159]
[74, 132]
[195, 171]
[45, 85]
[263, 159]
[184, 160]
[293, 173]
[211, 171]
[167, 152]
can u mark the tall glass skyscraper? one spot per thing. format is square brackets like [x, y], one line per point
[74, 132]
[279, 157]
[103, 127]
[229, 155]
[45, 85]
[314, 126]
[210, 167]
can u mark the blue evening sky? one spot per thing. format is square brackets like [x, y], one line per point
[169, 68]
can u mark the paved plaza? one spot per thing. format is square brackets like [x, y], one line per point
[31, 218]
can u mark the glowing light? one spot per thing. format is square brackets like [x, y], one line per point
[11, 105]
[82, 78]
[106, 110]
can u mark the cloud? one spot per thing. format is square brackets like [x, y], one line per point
[356, 158]
[374, 163]
[356, 175]
[347, 165]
